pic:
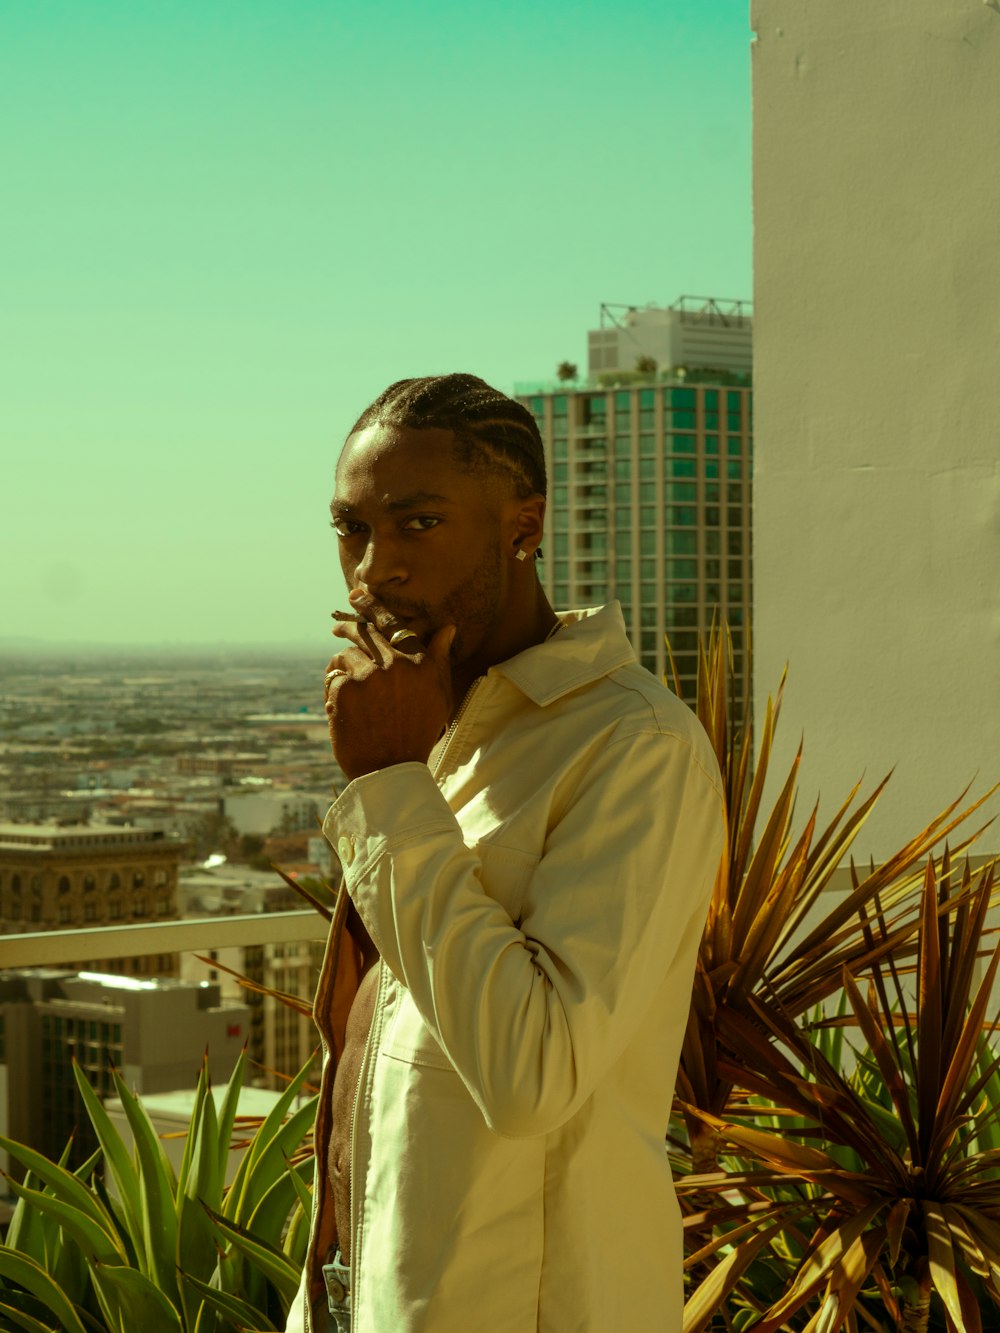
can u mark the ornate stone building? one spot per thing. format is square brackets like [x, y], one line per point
[87, 876]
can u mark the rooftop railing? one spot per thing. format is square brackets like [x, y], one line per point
[58, 948]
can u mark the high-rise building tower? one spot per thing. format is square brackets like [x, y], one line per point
[650, 503]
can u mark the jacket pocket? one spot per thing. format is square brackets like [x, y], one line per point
[505, 874]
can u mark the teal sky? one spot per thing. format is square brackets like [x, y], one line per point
[227, 226]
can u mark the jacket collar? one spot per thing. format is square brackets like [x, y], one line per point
[592, 645]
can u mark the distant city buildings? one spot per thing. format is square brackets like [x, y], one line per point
[280, 1038]
[154, 1032]
[650, 481]
[55, 877]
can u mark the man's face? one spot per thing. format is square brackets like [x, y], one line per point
[425, 537]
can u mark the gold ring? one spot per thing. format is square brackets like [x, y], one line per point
[400, 635]
[330, 674]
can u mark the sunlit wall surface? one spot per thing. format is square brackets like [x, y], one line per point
[877, 486]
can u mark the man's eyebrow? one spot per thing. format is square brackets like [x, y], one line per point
[416, 499]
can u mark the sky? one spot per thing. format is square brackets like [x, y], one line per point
[227, 226]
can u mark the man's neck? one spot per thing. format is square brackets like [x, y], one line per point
[536, 626]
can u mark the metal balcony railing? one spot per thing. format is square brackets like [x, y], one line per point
[55, 948]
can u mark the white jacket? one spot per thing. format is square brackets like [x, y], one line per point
[537, 894]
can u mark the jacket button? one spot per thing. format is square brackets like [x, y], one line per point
[335, 1289]
[345, 850]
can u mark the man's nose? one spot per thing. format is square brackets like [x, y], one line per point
[380, 563]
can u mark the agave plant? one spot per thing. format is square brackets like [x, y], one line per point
[883, 1185]
[136, 1246]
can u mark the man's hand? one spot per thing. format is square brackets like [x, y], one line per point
[387, 703]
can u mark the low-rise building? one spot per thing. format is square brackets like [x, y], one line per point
[155, 1032]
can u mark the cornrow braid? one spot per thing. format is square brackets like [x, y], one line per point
[493, 433]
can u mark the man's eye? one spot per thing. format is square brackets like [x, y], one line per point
[343, 527]
[421, 523]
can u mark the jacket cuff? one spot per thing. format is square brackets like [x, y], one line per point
[385, 809]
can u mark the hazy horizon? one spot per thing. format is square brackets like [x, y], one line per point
[229, 226]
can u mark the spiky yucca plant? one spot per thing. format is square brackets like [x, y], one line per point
[890, 1173]
[755, 950]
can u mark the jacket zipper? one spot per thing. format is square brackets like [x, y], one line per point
[362, 1076]
[336, 930]
[376, 1019]
[453, 727]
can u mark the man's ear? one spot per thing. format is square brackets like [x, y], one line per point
[529, 519]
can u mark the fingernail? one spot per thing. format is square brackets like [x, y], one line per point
[343, 615]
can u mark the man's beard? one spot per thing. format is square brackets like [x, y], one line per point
[472, 607]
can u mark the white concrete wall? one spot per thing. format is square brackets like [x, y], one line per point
[877, 374]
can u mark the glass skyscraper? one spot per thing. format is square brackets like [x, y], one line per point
[650, 503]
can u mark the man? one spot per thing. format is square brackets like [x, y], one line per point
[529, 839]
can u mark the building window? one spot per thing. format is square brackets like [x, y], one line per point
[15, 883]
[89, 883]
[139, 908]
[159, 877]
[115, 882]
[138, 880]
[163, 905]
[63, 884]
[90, 911]
[65, 914]
[683, 516]
[682, 543]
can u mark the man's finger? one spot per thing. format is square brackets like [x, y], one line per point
[360, 633]
[366, 605]
[439, 648]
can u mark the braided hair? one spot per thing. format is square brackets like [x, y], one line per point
[493, 433]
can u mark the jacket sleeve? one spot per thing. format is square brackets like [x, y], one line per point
[531, 1015]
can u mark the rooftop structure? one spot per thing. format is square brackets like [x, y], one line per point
[693, 332]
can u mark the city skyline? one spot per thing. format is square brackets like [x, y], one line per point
[232, 226]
